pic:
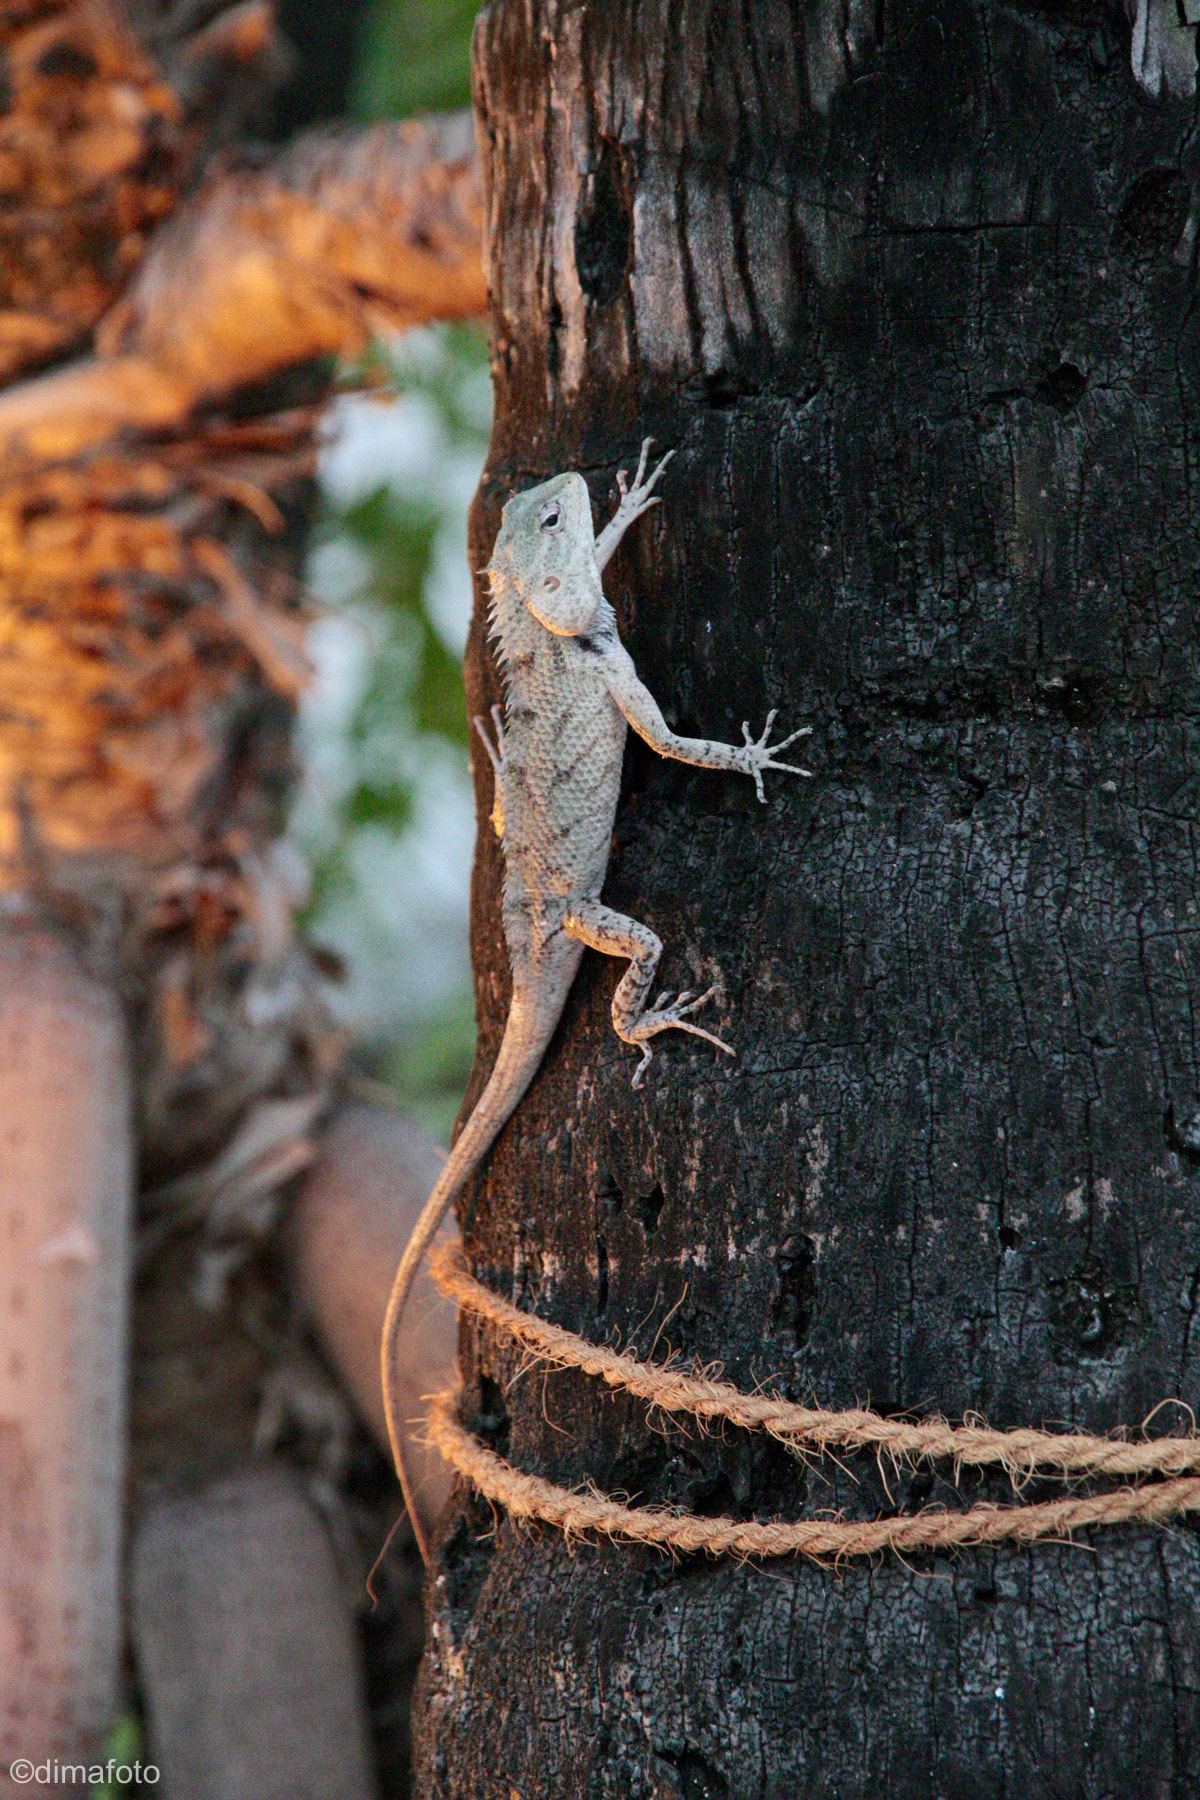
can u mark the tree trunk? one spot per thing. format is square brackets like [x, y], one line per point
[910, 291]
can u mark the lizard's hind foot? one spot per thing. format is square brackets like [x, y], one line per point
[668, 1015]
[635, 1023]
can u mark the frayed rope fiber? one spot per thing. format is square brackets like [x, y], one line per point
[1021, 1453]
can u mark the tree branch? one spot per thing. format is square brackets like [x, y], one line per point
[336, 238]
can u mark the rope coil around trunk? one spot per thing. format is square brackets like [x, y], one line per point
[1021, 1453]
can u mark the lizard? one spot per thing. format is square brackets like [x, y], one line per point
[570, 693]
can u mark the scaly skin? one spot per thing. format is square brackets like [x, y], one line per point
[570, 691]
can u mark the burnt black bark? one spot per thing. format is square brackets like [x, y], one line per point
[911, 290]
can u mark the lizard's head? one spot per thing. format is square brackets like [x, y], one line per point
[546, 548]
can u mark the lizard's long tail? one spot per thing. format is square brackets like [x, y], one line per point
[526, 1036]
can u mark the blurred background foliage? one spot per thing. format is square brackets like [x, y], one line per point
[416, 57]
[384, 818]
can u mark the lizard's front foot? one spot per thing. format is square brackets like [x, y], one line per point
[758, 755]
[636, 499]
[634, 502]
[668, 1015]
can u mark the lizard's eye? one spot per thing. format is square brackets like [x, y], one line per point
[551, 516]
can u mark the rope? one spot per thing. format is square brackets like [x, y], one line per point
[1021, 1453]
[580, 1513]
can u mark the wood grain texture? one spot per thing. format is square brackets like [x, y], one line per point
[911, 293]
[66, 1173]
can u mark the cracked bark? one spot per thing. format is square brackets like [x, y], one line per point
[911, 291]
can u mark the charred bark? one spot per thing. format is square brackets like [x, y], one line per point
[912, 293]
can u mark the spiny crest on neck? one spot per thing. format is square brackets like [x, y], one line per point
[503, 604]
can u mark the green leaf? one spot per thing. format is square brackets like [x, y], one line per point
[429, 1070]
[124, 1746]
[397, 535]
[416, 58]
[379, 806]
[439, 701]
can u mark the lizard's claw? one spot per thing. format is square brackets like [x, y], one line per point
[672, 1010]
[672, 1015]
[640, 497]
[622, 474]
[498, 757]
[633, 503]
[496, 752]
[760, 755]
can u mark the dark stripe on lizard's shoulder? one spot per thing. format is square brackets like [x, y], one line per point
[595, 644]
